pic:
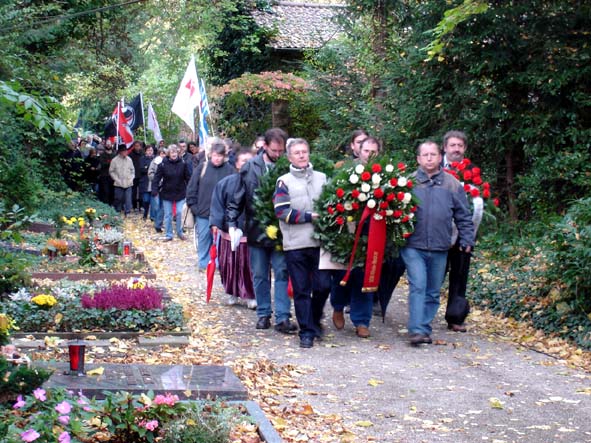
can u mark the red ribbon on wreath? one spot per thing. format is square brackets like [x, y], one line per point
[376, 244]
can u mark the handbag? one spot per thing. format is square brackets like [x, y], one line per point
[187, 217]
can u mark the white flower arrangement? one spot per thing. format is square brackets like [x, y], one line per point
[365, 188]
[359, 168]
[109, 236]
[354, 179]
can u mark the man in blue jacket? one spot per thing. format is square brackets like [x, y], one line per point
[442, 200]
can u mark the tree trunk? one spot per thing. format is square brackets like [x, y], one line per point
[510, 183]
[280, 114]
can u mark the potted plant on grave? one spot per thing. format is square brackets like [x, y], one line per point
[109, 238]
[55, 247]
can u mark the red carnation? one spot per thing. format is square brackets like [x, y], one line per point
[355, 193]
[378, 193]
[401, 167]
[384, 205]
[477, 181]
[406, 234]
[330, 210]
[382, 213]
[413, 209]
[486, 185]
[340, 193]
[390, 197]
[365, 176]
[467, 187]
[355, 206]
[376, 167]
[340, 207]
[467, 175]
[397, 213]
[340, 220]
[486, 193]
[496, 202]
[475, 171]
[454, 165]
[466, 161]
[409, 184]
[475, 192]
[405, 219]
[394, 181]
[461, 166]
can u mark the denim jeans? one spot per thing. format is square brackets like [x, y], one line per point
[425, 271]
[122, 199]
[261, 259]
[156, 203]
[310, 291]
[167, 205]
[361, 303]
[204, 240]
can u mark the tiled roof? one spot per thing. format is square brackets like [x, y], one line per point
[300, 25]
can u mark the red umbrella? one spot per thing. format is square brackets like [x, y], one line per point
[210, 270]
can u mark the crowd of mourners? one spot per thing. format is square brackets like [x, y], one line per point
[217, 185]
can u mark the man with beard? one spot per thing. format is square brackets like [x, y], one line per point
[262, 250]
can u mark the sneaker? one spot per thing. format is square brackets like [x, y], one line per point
[286, 327]
[419, 339]
[306, 342]
[264, 323]
[231, 300]
[251, 303]
[167, 239]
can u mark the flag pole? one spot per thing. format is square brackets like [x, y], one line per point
[117, 122]
[143, 117]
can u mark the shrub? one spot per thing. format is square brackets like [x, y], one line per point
[15, 380]
[122, 297]
[13, 271]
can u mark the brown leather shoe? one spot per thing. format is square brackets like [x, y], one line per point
[457, 328]
[362, 332]
[338, 319]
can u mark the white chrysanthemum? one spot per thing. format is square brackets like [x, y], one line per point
[377, 216]
[411, 216]
[365, 187]
[376, 179]
[407, 198]
[389, 212]
[397, 220]
[354, 179]
[348, 206]
[371, 203]
[389, 168]
[402, 181]
[359, 169]
[362, 197]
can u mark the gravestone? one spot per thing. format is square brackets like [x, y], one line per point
[188, 382]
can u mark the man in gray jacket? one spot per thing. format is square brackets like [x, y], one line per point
[293, 201]
[442, 200]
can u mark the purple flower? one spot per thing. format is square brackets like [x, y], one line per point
[64, 419]
[40, 394]
[19, 402]
[30, 435]
[64, 437]
[151, 425]
[63, 407]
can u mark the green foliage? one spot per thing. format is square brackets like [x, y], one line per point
[13, 271]
[570, 256]
[15, 380]
[56, 205]
[12, 222]
[203, 422]
[19, 183]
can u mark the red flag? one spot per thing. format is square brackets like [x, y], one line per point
[117, 124]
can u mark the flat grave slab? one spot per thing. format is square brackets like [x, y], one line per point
[188, 382]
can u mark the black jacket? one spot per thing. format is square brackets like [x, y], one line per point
[243, 200]
[200, 187]
[144, 180]
[173, 177]
[223, 192]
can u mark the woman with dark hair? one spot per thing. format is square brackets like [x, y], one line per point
[144, 183]
[207, 174]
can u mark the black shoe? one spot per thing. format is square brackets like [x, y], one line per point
[286, 327]
[419, 339]
[306, 342]
[159, 230]
[264, 323]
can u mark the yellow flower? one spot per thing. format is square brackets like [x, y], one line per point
[90, 211]
[136, 283]
[272, 231]
[81, 222]
[44, 300]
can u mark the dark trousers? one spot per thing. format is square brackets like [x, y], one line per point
[310, 289]
[458, 263]
[106, 190]
[392, 270]
[136, 200]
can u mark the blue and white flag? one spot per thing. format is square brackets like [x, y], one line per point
[203, 113]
